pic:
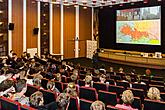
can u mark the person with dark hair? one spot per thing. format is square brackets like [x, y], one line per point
[6, 88]
[51, 86]
[95, 58]
[20, 88]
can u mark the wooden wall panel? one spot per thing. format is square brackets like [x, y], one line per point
[17, 33]
[56, 29]
[69, 31]
[85, 29]
[31, 23]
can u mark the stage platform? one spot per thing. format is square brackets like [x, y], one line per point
[132, 58]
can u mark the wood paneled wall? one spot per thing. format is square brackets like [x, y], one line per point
[17, 33]
[56, 29]
[31, 23]
[69, 31]
[85, 29]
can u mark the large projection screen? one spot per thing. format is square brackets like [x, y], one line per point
[139, 26]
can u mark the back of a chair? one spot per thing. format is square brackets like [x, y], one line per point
[111, 81]
[162, 95]
[7, 104]
[156, 78]
[137, 103]
[95, 79]
[109, 98]
[48, 96]
[100, 86]
[30, 90]
[59, 85]
[115, 77]
[138, 93]
[73, 105]
[153, 82]
[81, 76]
[110, 107]
[139, 86]
[88, 93]
[63, 79]
[81, 82]
[44, 82]
[117, 89]
[85, 104]
[124, 84]
[153, 105]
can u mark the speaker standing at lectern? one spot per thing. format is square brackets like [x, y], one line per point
[95, 58]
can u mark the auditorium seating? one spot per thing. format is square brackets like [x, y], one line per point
[81, 82]
[59, 85]
[124, 84]
[88, 93]
[109, 98]
[85, 104]
[110, 107]
[25, 107]
[153, 105]
[100, 86]
[44, 82]
[117, 89]
[73, 105]
[30, 90]
[137, 103]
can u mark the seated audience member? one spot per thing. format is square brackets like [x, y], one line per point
[16, 75]
[2, 74]
[62, 101]
[102, 78]
[102, 69]
[37, 82]
[74, 78]
[36, 100]
[43, 58]
[97, 105]
[138, 80]
[154, 94]
[7, 88]
[88, 81]
[51, 86]
[111, 69]
[148, 72]
[20, 88]
[75, 71]
[133, 71]
[71, 90]
[58, 77]
[127, 98]
[121, 70]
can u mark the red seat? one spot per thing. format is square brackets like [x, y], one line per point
[88, 93]
[138, 93]
[81, 82]
[161, 88]
[139, 86]
[85, 104]
[100, 86]
[124, 84]
[7, 104]
[44, 82]
[153, 105]
[49, 96]
[73, 105]
[117, 89]
[109, 98]
[30, 90]
[59, 85]
[137, 103]
[153, 82]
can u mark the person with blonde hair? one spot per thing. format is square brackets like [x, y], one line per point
[102, 78]
[127, 98]
[88, 81]
[58, 77]
[154, 93]
[71, 90]
[97, 105]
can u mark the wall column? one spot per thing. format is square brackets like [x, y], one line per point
[9, 21]
[51, 33]
[62, 32]
[24, 25]
[77, 33]
[38, 11]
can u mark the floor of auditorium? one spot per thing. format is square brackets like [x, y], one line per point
[140, 70]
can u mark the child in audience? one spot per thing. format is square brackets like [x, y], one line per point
[62, 101]
[71, 90]
[88, 81]
[51, 86]
[121, 70]
[20, 88]
[36, 100]
[127, 98]
[154, 94]
[97, 105]
[102, 78]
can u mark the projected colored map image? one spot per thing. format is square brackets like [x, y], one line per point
[138, 32]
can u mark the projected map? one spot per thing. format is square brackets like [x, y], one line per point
[139, 32]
